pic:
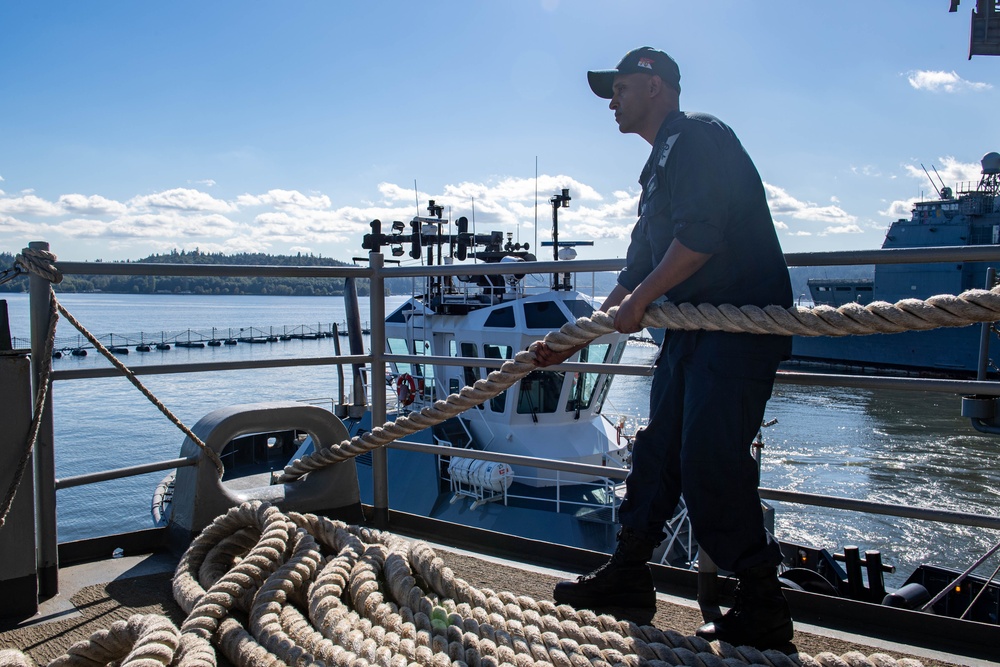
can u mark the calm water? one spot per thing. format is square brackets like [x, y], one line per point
[886, 446]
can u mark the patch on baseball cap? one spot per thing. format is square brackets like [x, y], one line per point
[646, 60]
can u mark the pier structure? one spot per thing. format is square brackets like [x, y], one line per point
[200, 338]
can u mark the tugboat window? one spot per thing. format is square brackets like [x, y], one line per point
[471, 373]
[543, 315]
[501, 319]
[424, 372]
[398, 346]
[499, 402]
[579, 308]
[540, 392]
[613, 358]
[400, 314]
[582, 391]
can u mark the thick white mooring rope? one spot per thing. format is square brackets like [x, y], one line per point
[851, 319]
[270, 589]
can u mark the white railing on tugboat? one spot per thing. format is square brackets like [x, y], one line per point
[378, 359]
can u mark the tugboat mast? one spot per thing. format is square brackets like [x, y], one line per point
[561, 250]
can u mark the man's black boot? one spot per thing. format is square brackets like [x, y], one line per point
[760, 615]
[624, 581]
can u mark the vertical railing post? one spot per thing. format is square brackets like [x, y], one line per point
[356, 343]
[380, 457]
[19, 575]
[984, 332]
[47, 557]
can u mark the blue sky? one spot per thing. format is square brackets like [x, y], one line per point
[130, 128]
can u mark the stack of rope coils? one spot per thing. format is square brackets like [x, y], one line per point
[268, 589]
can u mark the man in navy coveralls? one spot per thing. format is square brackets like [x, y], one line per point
[704, 235]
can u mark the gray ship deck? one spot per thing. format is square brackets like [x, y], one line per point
[95, 594]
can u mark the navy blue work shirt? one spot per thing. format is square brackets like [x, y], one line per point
[700, 187]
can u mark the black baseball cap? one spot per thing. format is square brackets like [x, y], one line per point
[645, 60]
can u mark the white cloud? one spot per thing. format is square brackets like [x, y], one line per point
[598, 230]
[395, 193]
[92, 205]
[30, 204]
[283, 221]
[314, 226]
[13, 226]
[525, 189]
[782, 203]
[607, 220]
[951, 171]
[285, 199]
[899, 208]
[183, 199]
[946, 82]
[171, 225]
[841, 229]
[866, 170]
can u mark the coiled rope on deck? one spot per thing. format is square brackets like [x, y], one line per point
[269, 588]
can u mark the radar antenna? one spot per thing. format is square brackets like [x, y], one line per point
[990, 182]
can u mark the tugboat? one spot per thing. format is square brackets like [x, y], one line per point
[548, 414]
[966, 218]
[555, 415]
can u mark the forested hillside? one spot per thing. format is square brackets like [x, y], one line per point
[600, 283]
[211, 285]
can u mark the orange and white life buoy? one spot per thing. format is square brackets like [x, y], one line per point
[406, 389]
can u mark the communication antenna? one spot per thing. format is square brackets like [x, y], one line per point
[943, 186]
[933, 184]
[474, 255]
[536, 201]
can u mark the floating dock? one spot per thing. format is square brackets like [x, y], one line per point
[118, 343]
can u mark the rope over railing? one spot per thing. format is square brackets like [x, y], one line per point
[851, 319]
[269, 588]
[41, 263]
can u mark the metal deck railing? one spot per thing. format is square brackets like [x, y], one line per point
[44, 462]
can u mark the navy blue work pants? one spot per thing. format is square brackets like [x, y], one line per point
[707, 402]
